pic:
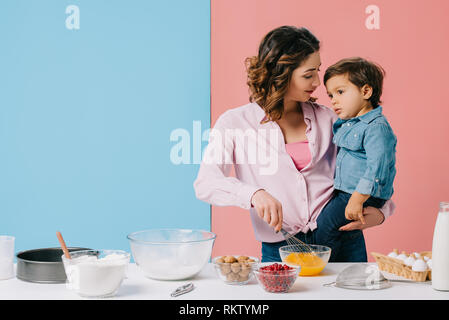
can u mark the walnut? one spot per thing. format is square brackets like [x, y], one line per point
[244, 273]
[232, 276]
[220, 260]
[230, 259]
[235, 267]
[243, 278]
[225, 268]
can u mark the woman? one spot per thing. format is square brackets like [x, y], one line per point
[282, 120]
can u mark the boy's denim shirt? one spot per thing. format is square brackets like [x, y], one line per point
[366, 155]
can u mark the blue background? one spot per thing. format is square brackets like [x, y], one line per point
[86, 117]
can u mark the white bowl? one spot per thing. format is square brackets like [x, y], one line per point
[96, 273]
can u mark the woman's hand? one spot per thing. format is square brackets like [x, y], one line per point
[268, 208]
[373, 217]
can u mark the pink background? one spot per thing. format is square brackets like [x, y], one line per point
[412, 46]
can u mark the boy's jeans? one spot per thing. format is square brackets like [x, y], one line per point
[347, 246]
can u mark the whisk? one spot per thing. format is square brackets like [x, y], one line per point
[297, 245]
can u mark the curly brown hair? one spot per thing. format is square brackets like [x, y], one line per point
[281, 51]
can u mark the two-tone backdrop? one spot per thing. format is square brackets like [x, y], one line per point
[105, 108]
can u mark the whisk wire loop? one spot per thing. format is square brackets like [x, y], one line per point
[296, 244]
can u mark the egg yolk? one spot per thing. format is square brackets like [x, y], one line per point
[310, 263]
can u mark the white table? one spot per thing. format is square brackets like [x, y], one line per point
[209, 287]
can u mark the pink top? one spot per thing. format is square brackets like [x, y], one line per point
[258, 153]
[300, 153]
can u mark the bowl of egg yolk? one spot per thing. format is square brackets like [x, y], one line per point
[312, 263]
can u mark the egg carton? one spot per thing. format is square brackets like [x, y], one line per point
[397, 267]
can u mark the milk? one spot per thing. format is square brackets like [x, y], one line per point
[6, 268]
[6, 257]
[440, 250]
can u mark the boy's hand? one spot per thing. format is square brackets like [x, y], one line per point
[373, 217]
[354, 211]
[354, 208]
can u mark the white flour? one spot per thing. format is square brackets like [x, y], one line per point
[90, 276]
[169, 269]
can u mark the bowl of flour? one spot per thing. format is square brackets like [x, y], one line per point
[171, 254]
[96, 273]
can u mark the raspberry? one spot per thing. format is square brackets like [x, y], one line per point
[276, 277]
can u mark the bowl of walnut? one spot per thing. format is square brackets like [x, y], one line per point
[235, 269]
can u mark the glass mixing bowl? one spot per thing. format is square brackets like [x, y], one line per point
[311, 264]
[275, 280]
[171, 254]
[237, 272]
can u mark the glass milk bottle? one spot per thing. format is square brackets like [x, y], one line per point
[440, 250]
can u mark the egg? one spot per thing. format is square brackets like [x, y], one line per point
[393, 254]
[419, 265]
[417, 255]
[426, 258]
[429, 264]
[402, 256]
[410, 260]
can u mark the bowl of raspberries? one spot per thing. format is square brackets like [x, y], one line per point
[276, 277]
